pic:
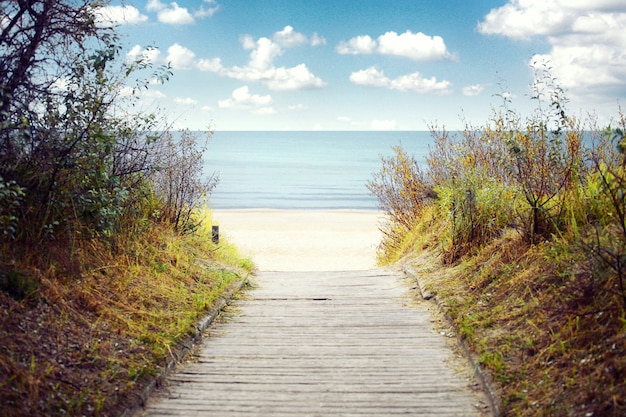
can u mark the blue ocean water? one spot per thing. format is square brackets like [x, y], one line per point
[302, 170]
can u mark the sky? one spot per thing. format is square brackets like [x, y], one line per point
[372, 65]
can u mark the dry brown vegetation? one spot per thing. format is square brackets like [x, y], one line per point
[524, 245]
[97, 325]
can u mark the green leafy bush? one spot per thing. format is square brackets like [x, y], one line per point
[11, 196]
[78, 161]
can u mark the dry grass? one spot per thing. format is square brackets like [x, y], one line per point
[554, 343]
[102, 320]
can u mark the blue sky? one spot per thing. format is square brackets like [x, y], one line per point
[363, 65]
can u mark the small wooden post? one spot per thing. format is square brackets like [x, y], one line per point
[215, 234]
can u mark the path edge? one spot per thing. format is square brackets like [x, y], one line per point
[187, 345]
[484, 379]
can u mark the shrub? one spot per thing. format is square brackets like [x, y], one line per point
[545, 162]
[178, 180]
[474, 187]
[475, 152]
[606, 193]
[403, 191]
[61, 141]
[475, 213]
[11, 195]
[528, 174]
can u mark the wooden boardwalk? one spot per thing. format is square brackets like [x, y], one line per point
[321, 344]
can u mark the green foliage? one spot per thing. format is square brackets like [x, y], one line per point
[476, 213]
[70, 166]
[545, 164]
[606, 192]
[403, 191]
[54, 141]
[546, 176]
[78, 161]
[11, 196]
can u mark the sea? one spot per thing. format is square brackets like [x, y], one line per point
[307, 170]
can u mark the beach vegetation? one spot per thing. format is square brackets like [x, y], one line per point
[106, 256]
[523, 244]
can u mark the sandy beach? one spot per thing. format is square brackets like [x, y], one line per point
[303, 240]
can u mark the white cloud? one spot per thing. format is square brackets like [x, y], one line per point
[134, 52]
[62, 85]
[126, 91]
[473, 90]
[263, 111]
[261, 67]
[171, 14]
[119, 15]
[211, 65]
[288, 38]
[242, 99]
[372, 77]
[383, 125]
[317, 40]
[186, 101]
[295, 78]
[4, 21]
[155, 6]
[208, 11]
[180, 57]
[357, 45]
[152, 93]
[145, 95]
[247, 42]
[262, 56]
[416, 46]
[524, 18]
[587, 38]
[152, 55]
[418, 84]
[175, 15]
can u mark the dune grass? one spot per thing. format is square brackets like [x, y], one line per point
[551, 349]
[518, 228]
[104, 318]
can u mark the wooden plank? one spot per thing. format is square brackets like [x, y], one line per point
[321, 343]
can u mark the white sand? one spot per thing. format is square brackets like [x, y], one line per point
[301, 240]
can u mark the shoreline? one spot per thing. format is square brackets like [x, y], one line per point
[302, 239]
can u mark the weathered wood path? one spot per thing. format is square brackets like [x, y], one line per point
[321, 344]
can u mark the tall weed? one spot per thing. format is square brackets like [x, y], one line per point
[179, 182]
[607, 195]
[476, 213]
[403, 191]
